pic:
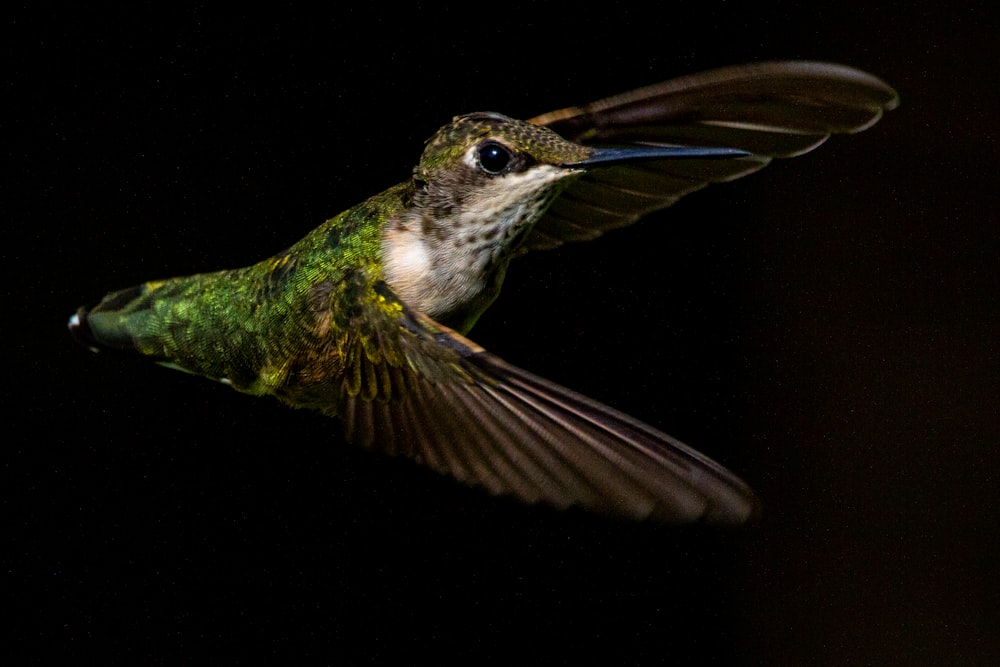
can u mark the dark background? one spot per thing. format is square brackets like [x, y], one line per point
[825, 328]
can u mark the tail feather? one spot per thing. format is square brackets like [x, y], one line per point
[111, 324]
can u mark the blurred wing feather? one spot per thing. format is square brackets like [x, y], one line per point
[776, 109]
[468, 414]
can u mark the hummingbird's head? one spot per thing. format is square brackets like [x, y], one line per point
[481, 183]
[487, 171]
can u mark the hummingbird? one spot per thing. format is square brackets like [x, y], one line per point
[365, 318]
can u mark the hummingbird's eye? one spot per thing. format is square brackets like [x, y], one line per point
[494, 157]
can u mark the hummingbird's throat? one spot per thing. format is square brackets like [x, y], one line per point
[452, 265]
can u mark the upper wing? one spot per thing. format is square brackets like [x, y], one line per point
[445, 402]
[776, 109]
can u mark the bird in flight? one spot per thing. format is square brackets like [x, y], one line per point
[365, 318]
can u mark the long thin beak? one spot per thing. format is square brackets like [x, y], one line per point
[600, 156]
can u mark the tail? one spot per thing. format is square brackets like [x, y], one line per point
[116, 323]
[195, 323]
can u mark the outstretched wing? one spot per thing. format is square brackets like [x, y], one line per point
[447, 403]
[775, 109]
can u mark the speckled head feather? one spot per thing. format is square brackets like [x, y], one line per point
[540, 144]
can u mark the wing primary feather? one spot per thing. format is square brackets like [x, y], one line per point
[506, 439]
[771, 109]
[483, 453]
[721, 495]
[442, 438]
[537, 442]
[617, 466]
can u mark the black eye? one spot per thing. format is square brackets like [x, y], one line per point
[494, 157]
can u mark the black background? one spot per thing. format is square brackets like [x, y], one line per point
[825, 328]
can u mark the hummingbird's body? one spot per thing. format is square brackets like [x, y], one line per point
[266, 328]
[363, 318]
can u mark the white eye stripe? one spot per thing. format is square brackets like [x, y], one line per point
[470, 159]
